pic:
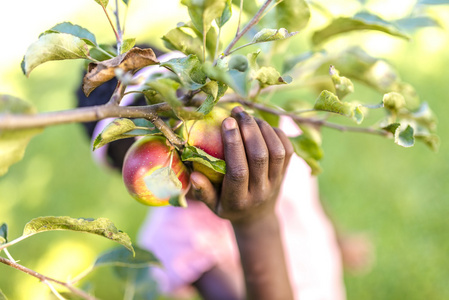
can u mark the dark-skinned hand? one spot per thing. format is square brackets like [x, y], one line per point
[256, 156]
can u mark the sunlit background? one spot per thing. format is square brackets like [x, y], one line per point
[398, 197]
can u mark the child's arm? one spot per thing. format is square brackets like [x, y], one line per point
[256, 156]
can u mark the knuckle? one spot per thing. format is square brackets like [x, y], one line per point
[259, 158]
[277, 156]
[237, 206]
[237, 174]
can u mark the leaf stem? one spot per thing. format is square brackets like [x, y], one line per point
[46, 279]
[105, 52]
[248, 26]
[117, 37]
[54, 291]
[19, 239]
[9, 255]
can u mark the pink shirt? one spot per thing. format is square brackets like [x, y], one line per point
[191, 241]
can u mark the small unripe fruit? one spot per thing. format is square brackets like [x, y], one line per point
[238, 62]
[145, 156]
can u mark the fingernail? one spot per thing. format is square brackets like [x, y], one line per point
[237, 109]
[194, 185]
[229, 123]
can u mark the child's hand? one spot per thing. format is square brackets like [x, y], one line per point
[256, 157]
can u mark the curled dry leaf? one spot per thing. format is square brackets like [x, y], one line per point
[131, 61]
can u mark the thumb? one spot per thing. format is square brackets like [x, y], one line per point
[203, 190]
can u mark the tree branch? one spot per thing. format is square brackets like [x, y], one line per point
[84, 114]
[45, 279]
[248, 26]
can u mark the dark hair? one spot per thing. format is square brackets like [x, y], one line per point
[101, 95]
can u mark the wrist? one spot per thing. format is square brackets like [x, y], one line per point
[266, 222]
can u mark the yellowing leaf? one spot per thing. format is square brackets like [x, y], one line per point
[101, 226]
[163, 183]
[53, 46]
[14, 142]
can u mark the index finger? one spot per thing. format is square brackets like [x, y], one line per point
[235, 182]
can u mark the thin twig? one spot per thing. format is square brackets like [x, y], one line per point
[54, 291]
[44, 278]
[307, 120]
[240, 18]
[117, 37]
[117, 20]
[117, 96]
[248, 26]
[166, 130]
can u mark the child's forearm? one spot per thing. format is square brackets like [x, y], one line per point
[263, 261]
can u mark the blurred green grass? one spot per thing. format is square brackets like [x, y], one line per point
[398, 196]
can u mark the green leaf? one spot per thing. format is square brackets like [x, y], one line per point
[191, 153]
[238, 81]
[203, 12]
[358, 114]
[343, 86]
[269, 76]
[54, 46]
[103, 3]
[405, 137]
[268, 35]
[188, 69]
[163, 183]
[76, 30]
[226, 15]
[327, 101]
[214, 90]
[308, 149]
[361, 21]
[14, 142]
[392, 128]
[292, 14]
[412, 24]
[433, 2]
[272, 119]
[177, 39]
[178, 201]
[101, 226]
[126, 2]
[167, 88]
[393, 101]
[127, 45]
[3, 234]
[122, 258]
[99, 52]
[431, 140]
[238, 62]
[122, 128]
[425, 116]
